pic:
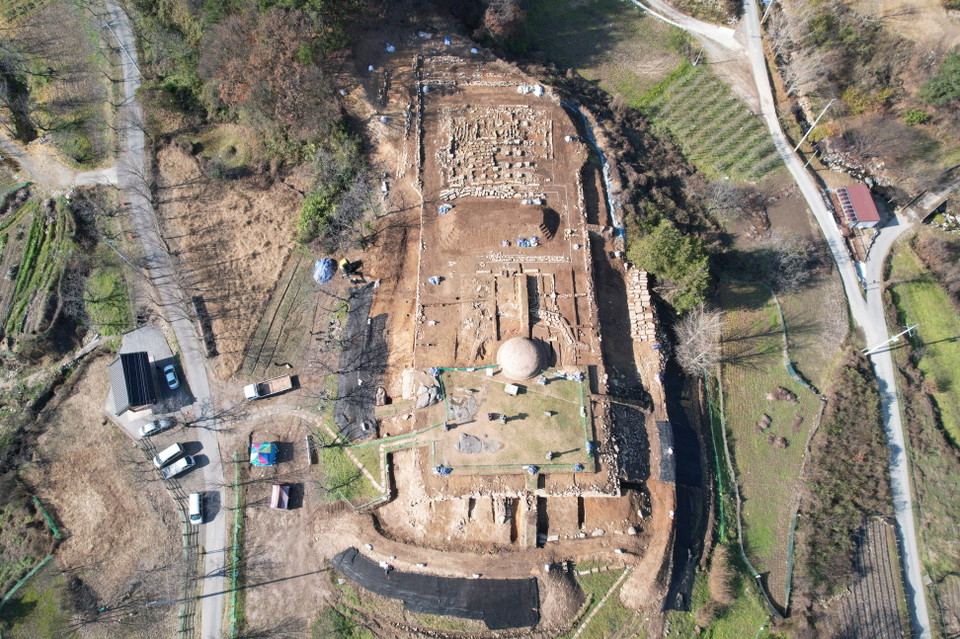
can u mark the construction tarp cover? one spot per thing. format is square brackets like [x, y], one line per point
[499, 603]
[323, 270]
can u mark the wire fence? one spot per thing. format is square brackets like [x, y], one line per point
[235, 547]
[190, 538]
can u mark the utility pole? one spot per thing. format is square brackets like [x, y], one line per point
[814, 125]
[892, 340]
[766, 11]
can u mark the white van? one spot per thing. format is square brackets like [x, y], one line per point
[195, 508]
[168, 455]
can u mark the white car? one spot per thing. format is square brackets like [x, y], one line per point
[182, 465]
[170, 373]
[195, 508]
[154, 427]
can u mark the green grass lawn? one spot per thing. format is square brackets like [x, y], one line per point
[39, 608]
[743, 619]
[344, 478]
[106, 297]
[919, 299]
[608, 619]
[768, 476]
[527, 436]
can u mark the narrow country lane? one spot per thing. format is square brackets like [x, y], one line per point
[867, 312]
[131, 169]
[868, 315]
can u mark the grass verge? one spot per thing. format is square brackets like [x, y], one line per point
[919, 299]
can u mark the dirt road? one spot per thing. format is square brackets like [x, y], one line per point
[40, 164]
[131, 169]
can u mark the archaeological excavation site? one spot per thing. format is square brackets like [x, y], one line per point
[495, 401]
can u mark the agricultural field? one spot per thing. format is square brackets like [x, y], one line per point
[286, 320]
[606, 41]
[68, 78]
[919, 299]
[35, 239]
[767, 436]
[631, 54]
[716, 131]
[874, 605]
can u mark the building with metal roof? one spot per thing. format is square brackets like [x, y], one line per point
[857, 206]
[131, 379]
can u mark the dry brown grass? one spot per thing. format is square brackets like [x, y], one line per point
[720, 577]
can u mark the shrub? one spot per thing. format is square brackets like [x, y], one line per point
[916, 116]
[680, 261]
[315, 215]
[945, 86]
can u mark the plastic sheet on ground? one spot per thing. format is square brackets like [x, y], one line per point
[499, 603]
[324, 270]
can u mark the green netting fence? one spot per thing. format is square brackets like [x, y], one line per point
[235, 549]
[57, 537]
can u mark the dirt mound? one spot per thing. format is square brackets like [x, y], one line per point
[562, 598]
[783, 395]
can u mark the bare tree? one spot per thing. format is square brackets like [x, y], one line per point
[503, 18]
[698, 340]
[791, 262]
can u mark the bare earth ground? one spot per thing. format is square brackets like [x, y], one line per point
[285, 576]
[233, 236]
[925, 22]
[93, 477]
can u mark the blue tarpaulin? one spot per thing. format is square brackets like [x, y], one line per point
[324, 270]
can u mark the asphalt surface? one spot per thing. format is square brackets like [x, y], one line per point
[131, 167]
[867, 311]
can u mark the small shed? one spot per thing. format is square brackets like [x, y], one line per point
[857, 206]
[131, 379]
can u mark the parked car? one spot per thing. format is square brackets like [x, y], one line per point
[170, 373]
[195, 508]
[168, 455]
[156, 426]
[179, 466]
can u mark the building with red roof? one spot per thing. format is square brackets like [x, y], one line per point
[857, 207]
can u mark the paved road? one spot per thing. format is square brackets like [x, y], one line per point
[130, 169]
[867, 313]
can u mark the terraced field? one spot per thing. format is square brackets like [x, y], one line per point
[872, 607]
[36, 245]
[713, 127]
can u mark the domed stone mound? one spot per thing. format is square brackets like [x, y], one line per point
[520, 358]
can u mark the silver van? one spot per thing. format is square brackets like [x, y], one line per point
[195, 508]
[168, 455]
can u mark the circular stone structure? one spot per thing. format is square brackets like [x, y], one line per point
[520, 358]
